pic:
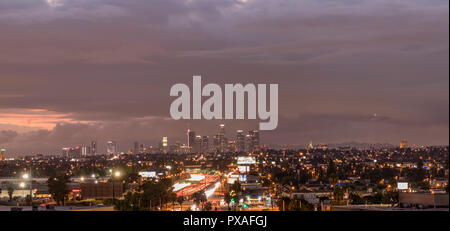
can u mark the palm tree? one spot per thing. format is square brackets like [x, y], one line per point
[10, 192]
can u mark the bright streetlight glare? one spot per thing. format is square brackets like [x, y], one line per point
[22, 184]
[25, 176]
[117, 173]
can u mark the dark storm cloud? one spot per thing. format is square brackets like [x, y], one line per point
[109, 65]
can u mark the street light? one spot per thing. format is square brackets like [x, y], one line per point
[116, 175]
[27, 176]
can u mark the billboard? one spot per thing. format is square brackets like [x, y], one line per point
[246, 160]
[151, 174]
[402, 185]
[244, 169]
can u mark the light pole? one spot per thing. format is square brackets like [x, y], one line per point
[116, 175]
[27, 176]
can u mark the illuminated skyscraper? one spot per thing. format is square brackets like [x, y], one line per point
[136, 148]
[2, 154]
[85, 150]
[190, 138]
[198, 144]
[165, 144]
[240, 141]
[403, 144]
[216, 143]
[222, 139]
[111, 147]
[252, 141]
[94, 147]
[205, 144]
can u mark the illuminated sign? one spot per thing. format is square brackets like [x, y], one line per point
[402, 185]
[246, 160]
[244, 169]
[148, 174]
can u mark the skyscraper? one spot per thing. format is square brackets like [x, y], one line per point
[205, 144]
[111, 147]
[222, 139]
[198, 144]
[240, 141]
[403, 144]
[190, 139]
[2, 154]
[85, 150]
[136, 148]
[165, 144]
[94, 147]
[253, 141]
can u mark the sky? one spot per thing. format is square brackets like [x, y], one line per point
[72, 71]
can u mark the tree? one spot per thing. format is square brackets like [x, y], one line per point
[172, 197]
[208, 206]
[131, 202]
[199, 197]
[156, 192]
[57, 187]
[10, 192]
[227, 199]
[180, 201]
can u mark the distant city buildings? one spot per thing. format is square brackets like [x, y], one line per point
[71, 152]
[190, 138]
[111, 147]
[164, 145]
[136, 149]
[403, 144]
[240, 141]
[2, 153]
[94, 147]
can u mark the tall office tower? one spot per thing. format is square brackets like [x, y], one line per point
[240, 141]
[403, 144]
[222, 140]
[142, 148]
[255, 140]
[136, 148]
[190, 138]
[198, 144]
[216, 143]
[94, 147]
[2, 154]
[165, 145]
[65, 152]
[205, 144]
[111, 147]
[85, 150]
[248, 143]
